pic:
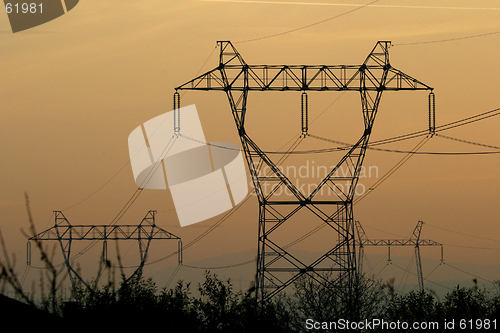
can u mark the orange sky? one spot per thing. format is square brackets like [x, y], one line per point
[74, 88]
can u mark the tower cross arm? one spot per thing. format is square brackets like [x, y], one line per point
[303, 78]
[233, 73]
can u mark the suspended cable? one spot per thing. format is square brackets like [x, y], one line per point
[474, 247]
[99, 188]
[474, 275]
[309, 25]
[448, 39]
[468, 142]
[176, 270]
[469, 120]
[438, 284]
[463, 234]
[406, 275]
[393, 169]
[439, 153]
[344, 146]
[222, 267]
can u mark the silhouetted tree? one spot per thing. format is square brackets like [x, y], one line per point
[330, 299]
[416, 306]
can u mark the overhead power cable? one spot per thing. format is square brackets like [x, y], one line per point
[308, 25]
[448, 39]
[463, 234]
[468, 142]
[409, 272]
[471, 274]
[222, 267]
[373, 146]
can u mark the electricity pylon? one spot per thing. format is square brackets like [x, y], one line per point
[65, 233]
[414, 241]
[277, 267]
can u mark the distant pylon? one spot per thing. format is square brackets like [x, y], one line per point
[65, 233]
[414, 241]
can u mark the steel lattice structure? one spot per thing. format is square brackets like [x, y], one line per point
[277, 267]
[65, 233]
[414, 241]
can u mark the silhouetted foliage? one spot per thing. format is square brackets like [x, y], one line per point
[415, 306]
[332, 299]
[470, 303]
[138, 303]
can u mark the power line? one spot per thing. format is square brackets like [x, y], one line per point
[469, 120]
[409, 272]
[222, 267]
[372, 5]
[372, 146]
[468, 142]
[463, 271]
[474, 247]
[173, 275]
[463, 234]
[309, 25]
[99, 188]
[266, 2]
[448, 39]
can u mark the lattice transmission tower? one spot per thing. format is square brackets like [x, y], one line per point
[65, 233]
[414, 241]
[277, 266]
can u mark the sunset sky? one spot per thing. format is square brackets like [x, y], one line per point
[74, 88]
